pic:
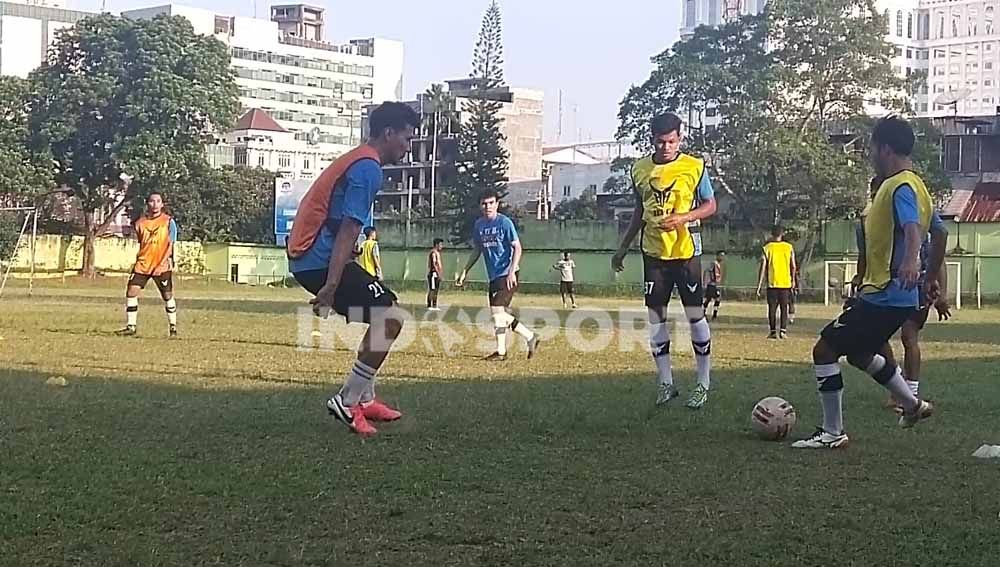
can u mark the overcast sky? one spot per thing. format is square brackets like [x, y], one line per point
[592, 51]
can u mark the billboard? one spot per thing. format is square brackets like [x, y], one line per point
[287, 194]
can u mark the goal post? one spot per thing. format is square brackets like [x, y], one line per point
[17, 237]
[839, 273]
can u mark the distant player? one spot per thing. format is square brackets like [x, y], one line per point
[156, 232]
[896, 225]
[713, 284]
[932, 253]
[435, 270]
[796, 292]
[673, 194]
[777, 267]
[369, 256]
[495, 238]
[565, 267]
[326, 227]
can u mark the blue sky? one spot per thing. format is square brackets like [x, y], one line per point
[591, 50]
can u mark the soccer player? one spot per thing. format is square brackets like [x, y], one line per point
[778, 266]
[326, 227]
[897, 222]
[673, 194]
[932, 253]
[495, 238]
[565, 268]
[434, 272]
[156, 232]
[368, 255]
[713, 284]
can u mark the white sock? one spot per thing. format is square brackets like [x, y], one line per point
[132, 310]
[701, 340]
[831, 395]
[522, 329]
[501, 333]
[368, 396]
[359, 379]
[659, 347]
[914, 387]
[171, 309]
[901, 391]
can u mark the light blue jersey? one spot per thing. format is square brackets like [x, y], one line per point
[495, 239]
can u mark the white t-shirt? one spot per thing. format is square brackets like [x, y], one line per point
[565, 268]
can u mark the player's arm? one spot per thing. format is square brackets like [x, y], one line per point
[473, 258]
[634, 226]
[515, 264]
[937, 276]
[436, 259]
[905, 209]
[763, 273]
[377, 256]
[706, 206]
[795, 272]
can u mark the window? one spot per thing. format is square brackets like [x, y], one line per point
[240, 156]
[260, 160]
[956, 20]
[988, 65]
[909, 71]
[988, 47]
[223, 25]
[973, 21]
[305, 164]
[567, 190]
[909, 54]
[592, 188]
[939, 71]
[690, 13]
[711, 112]
[899, 23]
[909, 26]
[987, 82]
[939, 54]
[713, 13]
[925, 32]
[888, 23]
[940, 30]
[897, 51]
[988, 21]
[284, 161]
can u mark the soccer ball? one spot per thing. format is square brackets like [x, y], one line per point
[772, 418]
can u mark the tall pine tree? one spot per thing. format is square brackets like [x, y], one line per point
[482, 158]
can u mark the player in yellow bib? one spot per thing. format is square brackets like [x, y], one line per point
[673, 195]
[895, 226]
[369, 256]
[777, 266]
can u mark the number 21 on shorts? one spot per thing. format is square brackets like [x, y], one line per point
[376, 289]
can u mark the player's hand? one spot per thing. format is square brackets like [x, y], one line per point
[322, 304]
[460, 280]
[758, 293]
[512, 280]
[943, 309]
[618, 261]
[672, 222]
[857, 280]
[909, 275]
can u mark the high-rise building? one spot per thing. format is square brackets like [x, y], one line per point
[27, 29]
[312, 88]
[956, 42]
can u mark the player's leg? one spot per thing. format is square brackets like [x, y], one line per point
[572, 294]
[132, 290]
[793, 299]
[718, 302]
[656, 292]
[531, 339]
[912, 362]
[692, 295]
[430, 290]
[830, 382]
[562, 293]
[784, 300]
[165, 284]
[772, 312]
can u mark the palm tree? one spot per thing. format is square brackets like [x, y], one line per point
[439, 110]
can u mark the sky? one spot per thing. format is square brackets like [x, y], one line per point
[592, 51]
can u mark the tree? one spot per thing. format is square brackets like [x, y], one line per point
[583, 207]
[22, 172]
[482, 158]
[123, 107]
[619, 181]
[783, 83]
[234, 204]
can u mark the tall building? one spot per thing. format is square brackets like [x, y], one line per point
[27, 29]
[956, 42]
[311, 88]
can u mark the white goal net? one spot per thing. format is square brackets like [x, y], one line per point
[18, 229]
[839, 273]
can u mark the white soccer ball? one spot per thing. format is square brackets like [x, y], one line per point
[773, 418]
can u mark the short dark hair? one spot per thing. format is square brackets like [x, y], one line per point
[665, 124]
[489, 193]
[565, 252]
[438, 241]
[894, 132]
[150, 196]
[395, 115]
[777, 230]
[720, 253]
[369, 230]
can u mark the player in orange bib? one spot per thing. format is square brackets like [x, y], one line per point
[156, 232]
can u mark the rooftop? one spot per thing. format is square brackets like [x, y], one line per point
[257, 119]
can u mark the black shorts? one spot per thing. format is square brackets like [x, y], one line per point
[499, 295]
[864, 327]
[358, 293]
[661, 276]
[565, 287]
[919, 317]
[712, 291]
[433, 281]
[779, 296]
[164, 282]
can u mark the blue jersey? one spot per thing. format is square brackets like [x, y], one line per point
[352, 198]
[904, 212]
[495, 239]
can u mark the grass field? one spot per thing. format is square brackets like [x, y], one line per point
[215, 449]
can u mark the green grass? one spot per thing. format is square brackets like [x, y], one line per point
[215, 449]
